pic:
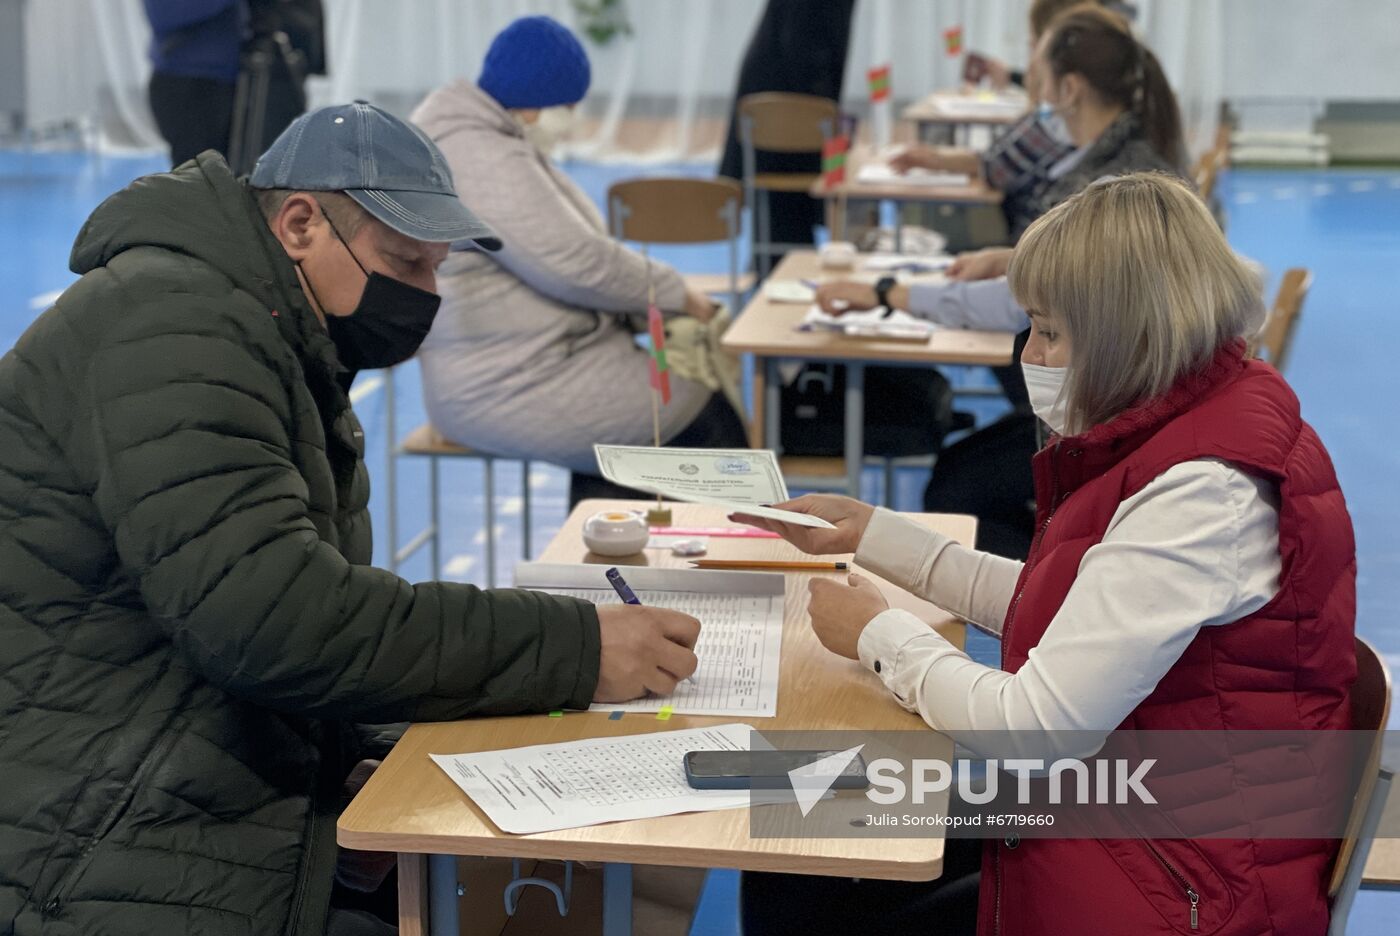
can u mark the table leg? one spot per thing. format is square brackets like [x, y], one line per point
[898, 227]
[617, 899]
[443, 891]
[855, 425]
[772, 404]
[760, 408]
[413, 895]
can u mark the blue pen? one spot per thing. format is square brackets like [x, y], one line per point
[624, 591]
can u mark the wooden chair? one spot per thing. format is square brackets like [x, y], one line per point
[779, 122]
[426, 442]
[1370, 710]
[1275, 340]
[670, 210]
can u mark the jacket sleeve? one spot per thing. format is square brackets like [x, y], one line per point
[197, 484]
[548, 245]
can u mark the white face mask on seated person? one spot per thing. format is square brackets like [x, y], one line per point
[1044, 363]
[551, 126]
[1046, 386]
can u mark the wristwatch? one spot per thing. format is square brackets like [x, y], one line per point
[883, 285]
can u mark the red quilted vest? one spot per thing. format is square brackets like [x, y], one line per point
[1288, 665]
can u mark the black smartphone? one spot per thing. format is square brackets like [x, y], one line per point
[763, 770]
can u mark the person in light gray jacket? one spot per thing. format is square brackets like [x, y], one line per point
[534, 352]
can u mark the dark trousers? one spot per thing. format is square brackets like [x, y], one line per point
[803, 905]
[192, 114]
[717, 426]
[196, 114]
[988, 474]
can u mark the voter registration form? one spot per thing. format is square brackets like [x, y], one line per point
[546, 787]
[741, 630]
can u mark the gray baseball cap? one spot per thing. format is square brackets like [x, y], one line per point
[386, 165]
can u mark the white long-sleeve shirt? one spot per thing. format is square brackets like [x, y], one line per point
[1197, 547]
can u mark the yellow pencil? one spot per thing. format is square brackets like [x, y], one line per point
[769, 564]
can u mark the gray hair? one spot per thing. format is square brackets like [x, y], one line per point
[1143, 283]
[343, 211]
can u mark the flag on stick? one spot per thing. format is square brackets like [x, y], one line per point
[879, 79]
[660, 374]
[953, 40]
[834, 160]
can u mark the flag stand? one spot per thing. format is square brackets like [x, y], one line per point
[660, 515]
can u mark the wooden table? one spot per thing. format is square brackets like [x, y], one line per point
[768, 330]
[410, 806]
[852, 189]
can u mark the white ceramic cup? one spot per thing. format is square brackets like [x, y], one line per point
[616, 533]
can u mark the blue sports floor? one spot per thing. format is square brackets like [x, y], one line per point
[1344, 224]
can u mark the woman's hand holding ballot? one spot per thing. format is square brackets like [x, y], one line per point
[840, 610]
[849, 517]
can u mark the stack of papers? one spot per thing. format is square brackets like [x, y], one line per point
[898, 326]
[741, 630]
[907, 263]
[547, 787]
[878, 173]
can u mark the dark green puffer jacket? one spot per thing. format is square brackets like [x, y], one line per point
[187, 619]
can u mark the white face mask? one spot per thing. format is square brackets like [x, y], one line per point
[1046, 386]
[1054, 124]
[553, 125]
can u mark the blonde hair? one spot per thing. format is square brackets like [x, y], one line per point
[1141, 280]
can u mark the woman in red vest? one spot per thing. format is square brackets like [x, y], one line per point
[1193, 568]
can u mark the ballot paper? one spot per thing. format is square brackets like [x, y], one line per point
[788, 290]
[877, 173]
[980, 105]
[900, 263]
[547, 787]
[874, 323]
[741, 630]
[736, 479]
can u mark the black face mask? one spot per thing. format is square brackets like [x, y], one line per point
[389, 323]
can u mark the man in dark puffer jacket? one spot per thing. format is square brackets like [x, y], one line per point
[187, 619]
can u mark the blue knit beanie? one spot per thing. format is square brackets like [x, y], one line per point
[535, 62]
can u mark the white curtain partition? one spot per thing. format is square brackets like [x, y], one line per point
[86, 60]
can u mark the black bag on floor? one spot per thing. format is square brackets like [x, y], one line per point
[908, 411]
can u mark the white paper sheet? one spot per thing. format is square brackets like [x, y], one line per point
[788, 290]
[737, 479]
[547, 787]
[898, 326]
[741, 630]
[876, 173]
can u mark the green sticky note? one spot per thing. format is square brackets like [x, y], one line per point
[664, 714]
[557, 713]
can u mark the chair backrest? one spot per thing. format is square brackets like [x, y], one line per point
[1205, 172]
[674, 210]
[786, 123]
[1370, 710]
[1277, 337]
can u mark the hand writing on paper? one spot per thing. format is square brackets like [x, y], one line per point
[643, 649]
[848, 515]
[840, 612]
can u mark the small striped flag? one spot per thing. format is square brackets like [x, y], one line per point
[660, 373]
[834, 160]
[879, 79]
[953, 40]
